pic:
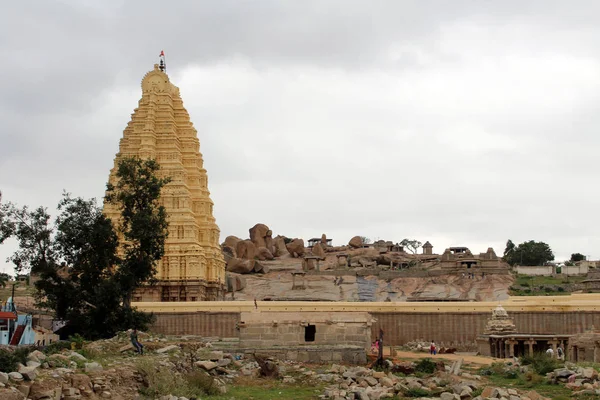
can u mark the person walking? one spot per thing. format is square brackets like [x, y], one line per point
[560, 353]
[139, 348]
[432, 348]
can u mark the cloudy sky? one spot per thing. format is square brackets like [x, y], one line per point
[462, 122]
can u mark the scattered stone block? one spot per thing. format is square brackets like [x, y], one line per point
[167, 349]
[206, 365]
[15, 376]
[93, 367]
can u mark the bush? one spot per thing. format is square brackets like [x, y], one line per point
[417, 393]
[561, 289]
[57, 347]
[161, 381]
[541, 363]
[10, 359]
[425, 366]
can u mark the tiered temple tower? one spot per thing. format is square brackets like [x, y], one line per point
[193, 267]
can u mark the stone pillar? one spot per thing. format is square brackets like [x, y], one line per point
[554, 343]
[511, 347]
[530, 342]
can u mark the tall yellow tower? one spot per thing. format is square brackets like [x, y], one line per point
[193, 267]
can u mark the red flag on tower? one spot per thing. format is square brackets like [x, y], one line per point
[162, 53]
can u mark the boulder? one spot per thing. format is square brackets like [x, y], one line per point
[356, 242]
[231, 241]
[269, 243]
[3, 378]
[258, 267]
[258, 234]
[240, 266]
[15, 376]
[264, 254]
[296, 247]
[228, 251]
[206, 365]
[28, 373]
[318, 250]
[324, 240]
[279, 246]
[167, 349]
[246, 249]
[235, 282]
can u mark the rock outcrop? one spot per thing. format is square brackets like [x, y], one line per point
[279, 246]
[258, 235]
[356, 242]
[296, 248]
[246, 249]
[264, 254]
[318, 250]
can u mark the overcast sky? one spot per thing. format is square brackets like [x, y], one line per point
[459, 122]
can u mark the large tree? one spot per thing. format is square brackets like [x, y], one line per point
[143, 222]
[529, 253]
[411, 244]
[84, 277]
[577, 257]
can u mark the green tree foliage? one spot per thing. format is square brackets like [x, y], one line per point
[143, 222]
[84, 278]
[412, 245]
[529, 253]
[4, 278]
[577, 257]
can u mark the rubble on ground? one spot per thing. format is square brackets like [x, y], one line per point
[110, 369]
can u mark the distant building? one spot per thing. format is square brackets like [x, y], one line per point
[460, 259]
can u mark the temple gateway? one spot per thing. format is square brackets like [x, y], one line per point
[193, 267]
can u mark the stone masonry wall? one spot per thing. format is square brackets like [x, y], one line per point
[446, 328]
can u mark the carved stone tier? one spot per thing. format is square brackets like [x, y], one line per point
[500, 323]
[193, 268]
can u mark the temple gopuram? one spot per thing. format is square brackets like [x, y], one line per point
[193, 267]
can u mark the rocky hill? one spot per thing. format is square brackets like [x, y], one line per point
[262, 267]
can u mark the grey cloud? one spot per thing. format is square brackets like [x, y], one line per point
[468, 121]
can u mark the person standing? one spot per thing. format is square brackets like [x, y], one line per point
[560, 353]
[139, 348]
[550, 352]
[432, 348]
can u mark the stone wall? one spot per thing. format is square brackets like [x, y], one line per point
[544, 270]
[271, 329]
[449, 329]
[458, 329]
[207, 324]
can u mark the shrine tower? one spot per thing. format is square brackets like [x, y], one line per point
[193, 267]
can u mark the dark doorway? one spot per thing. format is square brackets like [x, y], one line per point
[309, 333]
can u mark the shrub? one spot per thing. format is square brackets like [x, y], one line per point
[56, 347]
[426, 366]
[561, 289]
[416, 393]
[10, 359]
[161, 381]
[525, 284]
[541, 363]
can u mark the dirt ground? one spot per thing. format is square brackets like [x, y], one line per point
[467, 357]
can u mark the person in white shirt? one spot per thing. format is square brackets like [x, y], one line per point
[550, 352]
